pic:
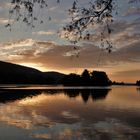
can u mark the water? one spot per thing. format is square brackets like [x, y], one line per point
[53, 113]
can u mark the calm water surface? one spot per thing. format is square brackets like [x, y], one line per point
[70, 114]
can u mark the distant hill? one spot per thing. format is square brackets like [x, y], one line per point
[54, 77]
[17, 74]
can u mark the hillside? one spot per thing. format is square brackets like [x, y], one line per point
[54, 77]
[17, 74]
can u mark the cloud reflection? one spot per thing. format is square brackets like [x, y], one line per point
[64, 114]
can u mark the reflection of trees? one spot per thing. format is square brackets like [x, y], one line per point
[138, 89]
[95, 94]
[99, 94]
[72, 93]
[85, 95]
[13, 95]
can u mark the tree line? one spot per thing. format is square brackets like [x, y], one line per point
[94, 78]
[138, 83]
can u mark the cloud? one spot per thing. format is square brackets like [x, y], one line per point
[135, 72]
[53, 8]
[55, 56]
[44, 33]
[132, 11]
[4, 4]
[124, 34]
[3, 21]
[132, 74]
[18, 44]
[42, 136]
[21, 49]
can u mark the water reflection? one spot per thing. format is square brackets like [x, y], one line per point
[138, 89]
[12, 95]
[99, 114]
[95, 94]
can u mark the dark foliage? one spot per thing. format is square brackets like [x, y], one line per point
[96, 78]
[83, 19]
[71, 80]
[97, 12]
[118, 83]
[85, 78]
[138, 83]
[100, 78]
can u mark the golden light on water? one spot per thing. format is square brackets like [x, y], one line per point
[33, 100]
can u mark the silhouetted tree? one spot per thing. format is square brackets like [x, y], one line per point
[118, 83]
[71, 80]
[99, 78]
[138, 83]
[85, 78]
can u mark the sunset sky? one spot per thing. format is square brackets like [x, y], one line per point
[42, 48]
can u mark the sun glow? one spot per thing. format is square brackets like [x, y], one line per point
[35, 65]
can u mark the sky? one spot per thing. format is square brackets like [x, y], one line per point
[43, 49]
